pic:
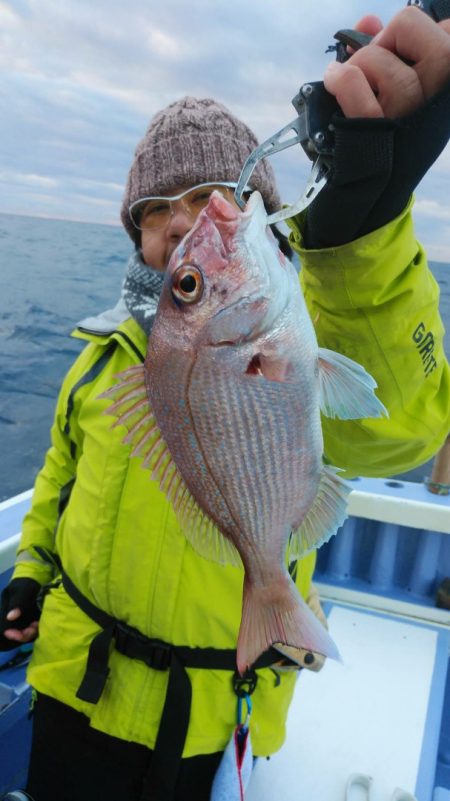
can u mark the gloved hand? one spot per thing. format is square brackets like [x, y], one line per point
[376, 167]
[20, 595]
[394, 94]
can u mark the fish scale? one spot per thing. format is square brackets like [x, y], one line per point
[235, 383]
[257, 421]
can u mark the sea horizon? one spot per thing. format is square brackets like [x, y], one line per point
[118, 224]
[54, 272]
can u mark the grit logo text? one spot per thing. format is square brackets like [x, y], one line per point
[425, 344]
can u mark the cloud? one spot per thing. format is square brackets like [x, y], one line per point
[433, 209]
[80, 80]
[27, 180]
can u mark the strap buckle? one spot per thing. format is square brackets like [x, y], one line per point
[160, 656]
[154, 653]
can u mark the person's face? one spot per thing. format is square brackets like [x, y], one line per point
[159, 242]
[158, 245]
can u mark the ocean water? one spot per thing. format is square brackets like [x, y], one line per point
[52, 274]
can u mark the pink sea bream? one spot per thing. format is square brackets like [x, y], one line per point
[225, 413]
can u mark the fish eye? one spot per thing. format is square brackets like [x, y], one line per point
[187, 284]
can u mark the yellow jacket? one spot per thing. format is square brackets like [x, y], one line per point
[119, 539]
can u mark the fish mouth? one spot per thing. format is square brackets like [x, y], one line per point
[263, 288]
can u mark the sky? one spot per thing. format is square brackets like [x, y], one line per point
[80, 80]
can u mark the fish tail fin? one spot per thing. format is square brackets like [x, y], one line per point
[278, 614]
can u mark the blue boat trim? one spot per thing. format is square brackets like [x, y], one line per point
[430, 743]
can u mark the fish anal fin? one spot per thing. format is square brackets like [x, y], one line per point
[346, 388]
[205, 537]
[326, 513]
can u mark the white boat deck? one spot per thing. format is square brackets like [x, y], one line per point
[377, 713]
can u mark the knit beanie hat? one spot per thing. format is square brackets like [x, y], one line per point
[191, 142]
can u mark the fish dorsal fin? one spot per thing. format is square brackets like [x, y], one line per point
[133, 410]
[327, 512]
[346, 388]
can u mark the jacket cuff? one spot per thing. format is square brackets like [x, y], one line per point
[30, 565]
[353, 275]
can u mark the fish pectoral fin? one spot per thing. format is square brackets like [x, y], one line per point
[346, 388]
[327, 512]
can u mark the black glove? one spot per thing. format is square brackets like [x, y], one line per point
[377, 164]
[20, 593]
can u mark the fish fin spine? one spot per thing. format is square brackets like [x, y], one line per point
[203, 534]
[132, 407]
[134, 412]
[326, 514]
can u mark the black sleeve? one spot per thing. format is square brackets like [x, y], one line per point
[376, 166]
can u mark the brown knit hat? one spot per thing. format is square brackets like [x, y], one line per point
[190, 142]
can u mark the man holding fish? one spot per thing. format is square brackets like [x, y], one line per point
[135, 667]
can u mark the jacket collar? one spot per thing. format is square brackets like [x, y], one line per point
[105, 323]
[116, 325]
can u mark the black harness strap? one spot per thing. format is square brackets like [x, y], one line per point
[160, 781]
[161, 778]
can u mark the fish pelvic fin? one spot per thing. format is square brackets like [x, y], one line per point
[132, 409]
[346, 388]
[325, 515]
[278, 614]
